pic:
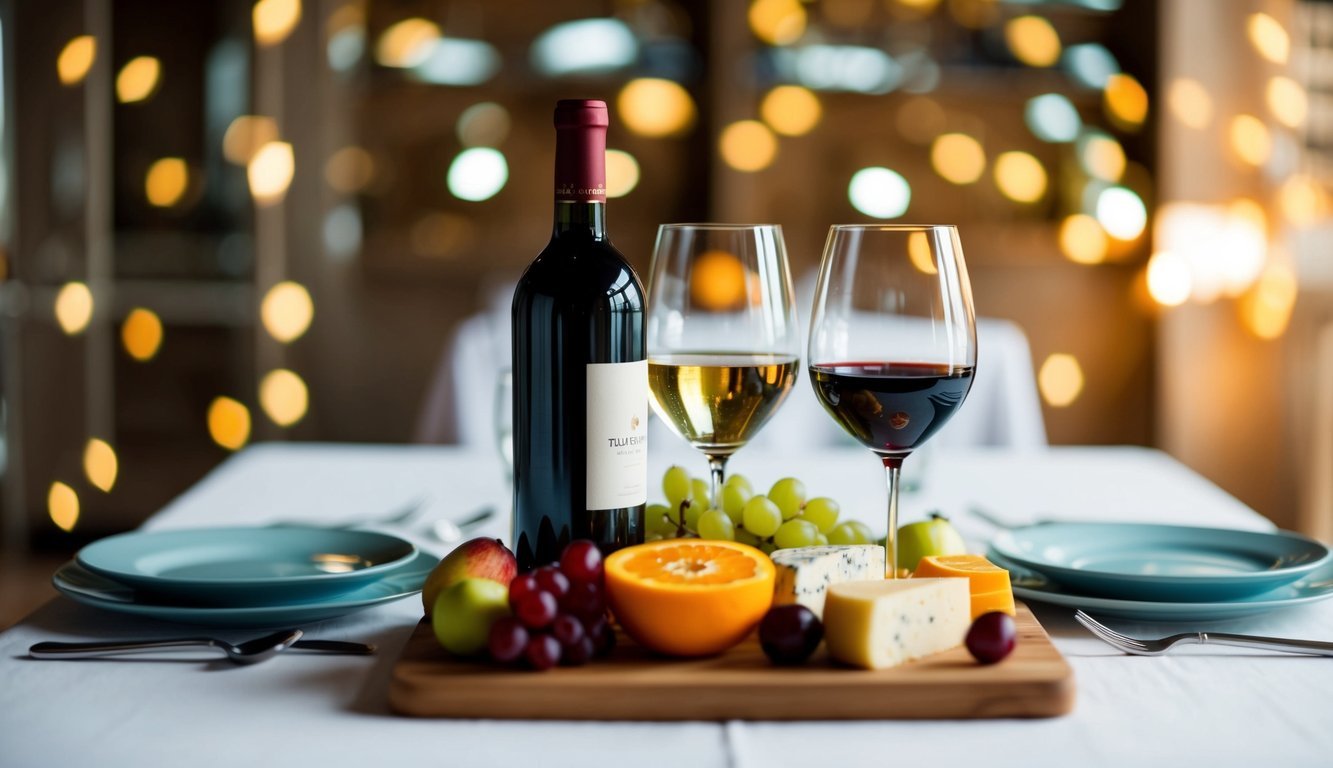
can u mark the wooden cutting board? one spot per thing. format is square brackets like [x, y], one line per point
[635, 684]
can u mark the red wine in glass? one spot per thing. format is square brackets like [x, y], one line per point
[891, 407]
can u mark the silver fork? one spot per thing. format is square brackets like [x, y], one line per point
[1141, 647]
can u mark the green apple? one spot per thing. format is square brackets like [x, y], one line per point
[463, 614]
[935, 536]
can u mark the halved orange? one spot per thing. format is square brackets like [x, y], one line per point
[687, 597]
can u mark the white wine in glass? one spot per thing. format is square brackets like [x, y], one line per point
[722, 337]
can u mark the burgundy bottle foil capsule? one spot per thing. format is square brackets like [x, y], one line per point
[580, 165]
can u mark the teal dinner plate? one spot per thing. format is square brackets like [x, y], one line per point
[247, 566]
[1161, 563]
[1032, 586]
[89, 588]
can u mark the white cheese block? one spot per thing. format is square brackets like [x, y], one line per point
[805, 573]
[879, 624]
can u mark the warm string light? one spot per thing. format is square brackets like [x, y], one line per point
[1060, 380]
[138, 79]
[655, 108]
[748, 146]
[287, 311]
[76, 59]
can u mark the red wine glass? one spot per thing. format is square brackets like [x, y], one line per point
[893, 340]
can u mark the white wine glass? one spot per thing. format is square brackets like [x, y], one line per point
[893, 341]
[723, 344]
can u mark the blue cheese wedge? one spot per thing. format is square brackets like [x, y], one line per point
[881, 624]
[806, 573]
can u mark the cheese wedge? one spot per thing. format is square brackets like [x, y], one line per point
[881, 624]
[805, 573]
[989, 583]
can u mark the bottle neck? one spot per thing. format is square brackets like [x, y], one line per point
[580, 180]
[580, 219]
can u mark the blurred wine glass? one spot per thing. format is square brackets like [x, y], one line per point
[893, 341]
[723, 345]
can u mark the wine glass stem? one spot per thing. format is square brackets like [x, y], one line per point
[717, 469]
[892, 468]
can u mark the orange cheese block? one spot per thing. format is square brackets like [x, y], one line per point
[989, 583]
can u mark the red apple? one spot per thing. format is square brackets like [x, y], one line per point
[476, 559]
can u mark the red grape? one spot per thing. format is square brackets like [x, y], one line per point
[578, 654]
[603, 636]
[582, 562]
[520, 586]
[508, 640]
[543, 651]
[552, 580]
[536, 609]
[790, 633]
[567, 629]
[585, 601]
[992, 637]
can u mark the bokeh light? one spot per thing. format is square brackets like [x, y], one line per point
[920, 119]
[1267, 308]
[229, 423]
[270, 172]
[920, 253]
[958, 158]
[345, 30]
[1060, 380]
[718, 281]
[1190, 102]
[1250, 139]
[1052, 117]
[458, 61]
[655, 108]
[141, 334]
[100, 464]
[1287, 101]
[777, 22]
[74, 307]
[283, 396]
[349, 170]
[477, 174]
[1268, 37]
[138, 79]
[62, 505]
[1090, 64]
[1303, 201]
[1121, 213]
[747, 145]
[584, 47]
[483, 125]
[75, 59]
[1082, 239]
[622, 173]
[287, 311]
[167, 180]
[1101, 156]
[246, 135]
[879, 192]
[1125, 102]
[407, 43]
[1033, 41]
[1020, 177]
[1170, 281]
[274, 20]
[791, 110]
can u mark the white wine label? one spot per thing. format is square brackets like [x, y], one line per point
[617, 435]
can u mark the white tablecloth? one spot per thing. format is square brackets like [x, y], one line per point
[1209, 706]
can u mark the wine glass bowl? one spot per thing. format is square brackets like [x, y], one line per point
[893, 343]
[723, 344]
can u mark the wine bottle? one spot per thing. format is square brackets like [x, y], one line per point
[580, 369]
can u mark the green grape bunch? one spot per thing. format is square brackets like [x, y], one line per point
[782, 519]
